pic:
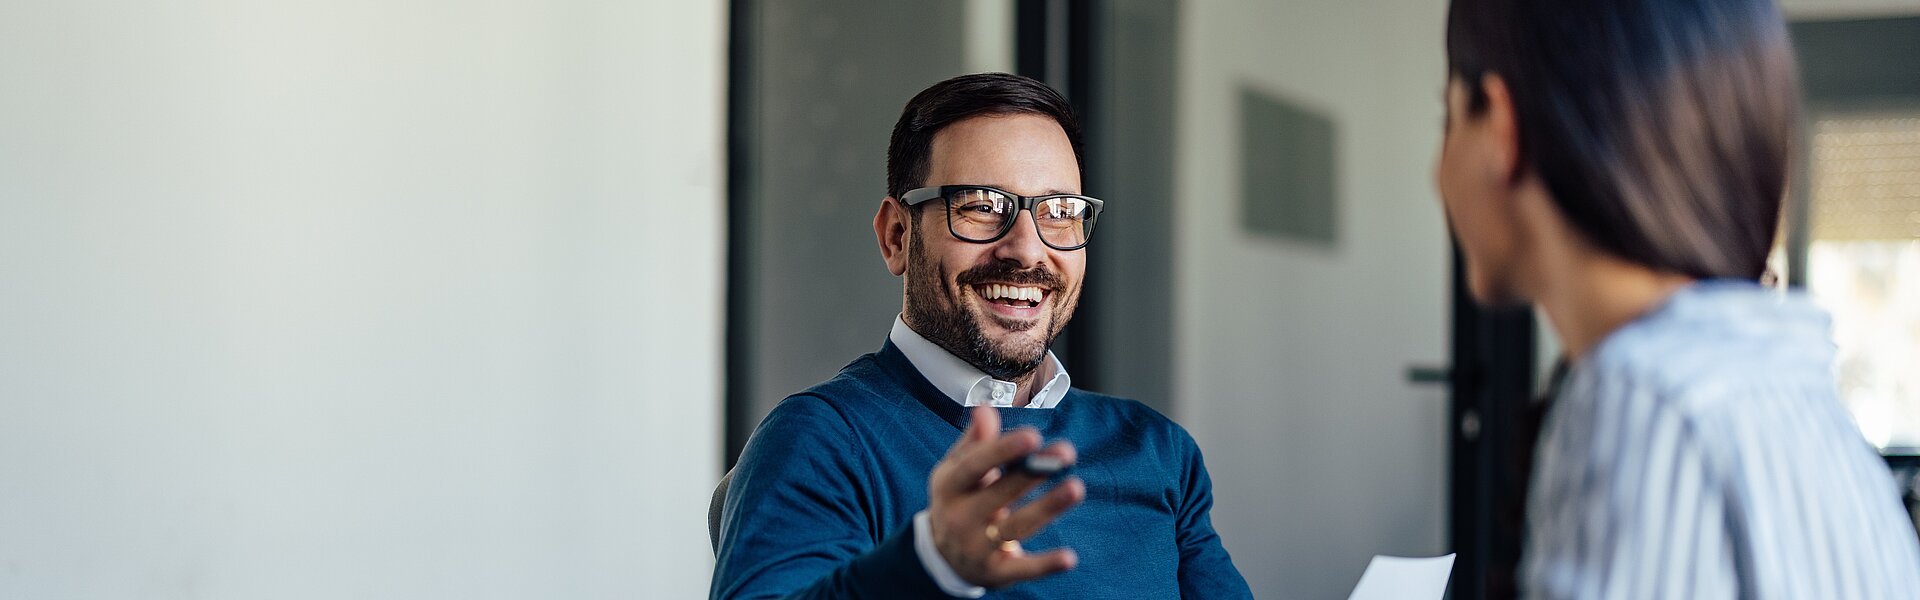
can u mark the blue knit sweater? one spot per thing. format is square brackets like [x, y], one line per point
[822, 501]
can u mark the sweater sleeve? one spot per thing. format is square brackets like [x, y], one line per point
[1205, 569]
[794, 524]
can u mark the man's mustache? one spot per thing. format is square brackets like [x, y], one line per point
[1000, 273]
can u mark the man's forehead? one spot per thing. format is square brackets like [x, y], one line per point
[1025, 154]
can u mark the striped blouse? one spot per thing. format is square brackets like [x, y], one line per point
[1702, 452]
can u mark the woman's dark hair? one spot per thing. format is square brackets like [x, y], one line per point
[1660, 127]
[910, 151]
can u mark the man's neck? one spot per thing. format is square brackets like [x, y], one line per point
[1027, 385]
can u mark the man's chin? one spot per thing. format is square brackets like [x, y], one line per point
[1013, 343]
[1017, 356]
[995, 325]
[999, 328]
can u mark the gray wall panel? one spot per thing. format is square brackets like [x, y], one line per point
[1130, 155]
[828, 79]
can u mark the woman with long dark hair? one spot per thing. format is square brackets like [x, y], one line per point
[1621, 164]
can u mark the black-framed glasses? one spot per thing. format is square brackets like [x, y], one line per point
[982, 214]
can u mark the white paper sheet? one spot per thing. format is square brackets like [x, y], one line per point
[1397, 578]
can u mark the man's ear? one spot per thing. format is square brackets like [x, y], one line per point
[890, 229]
[1503, 128]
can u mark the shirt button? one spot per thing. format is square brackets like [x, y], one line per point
[998, 394]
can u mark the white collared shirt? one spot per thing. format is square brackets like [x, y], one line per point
[967, 386]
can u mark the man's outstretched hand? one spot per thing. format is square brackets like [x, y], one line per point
[973, 522]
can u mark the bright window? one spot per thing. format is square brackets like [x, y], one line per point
[1863, 264]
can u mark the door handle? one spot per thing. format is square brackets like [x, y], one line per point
[1429, 375]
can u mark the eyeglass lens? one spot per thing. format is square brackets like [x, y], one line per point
[978, 214]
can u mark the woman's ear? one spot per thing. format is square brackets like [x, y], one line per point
[890, 229]
[1503, 128]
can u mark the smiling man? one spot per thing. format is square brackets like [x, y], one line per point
[895, 479]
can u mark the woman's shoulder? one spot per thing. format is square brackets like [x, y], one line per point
[1714, 342]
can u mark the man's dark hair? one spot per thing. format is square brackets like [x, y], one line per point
[910, 151]
[1661, 127]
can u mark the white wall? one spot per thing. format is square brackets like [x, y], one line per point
[990, 29]
[1291, 358]
[359, 298]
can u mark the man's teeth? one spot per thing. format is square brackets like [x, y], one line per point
[1010, 292]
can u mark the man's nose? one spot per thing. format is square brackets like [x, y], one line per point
[1022, 244]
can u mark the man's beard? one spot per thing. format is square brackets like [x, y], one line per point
[949, 325]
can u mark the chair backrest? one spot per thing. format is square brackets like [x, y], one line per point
[713, 510]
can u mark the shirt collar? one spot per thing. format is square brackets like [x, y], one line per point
[966, 385]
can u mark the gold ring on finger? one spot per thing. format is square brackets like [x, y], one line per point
[1006, 545]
